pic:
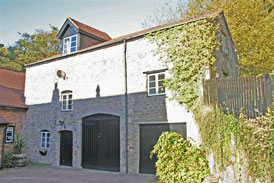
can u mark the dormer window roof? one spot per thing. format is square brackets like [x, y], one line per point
[76, 36]
[89, 30]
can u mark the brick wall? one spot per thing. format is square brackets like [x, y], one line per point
[1, 141]
[15, 118]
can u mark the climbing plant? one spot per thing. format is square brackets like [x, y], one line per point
[253, 141]
[178, 160]
[188, 50]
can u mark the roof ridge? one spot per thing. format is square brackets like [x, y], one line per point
[83, 27]
[137, 34]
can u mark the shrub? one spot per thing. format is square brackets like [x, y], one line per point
[19, 144]
[178, 160]
[8, 163]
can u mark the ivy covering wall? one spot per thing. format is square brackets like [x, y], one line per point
[246, 145]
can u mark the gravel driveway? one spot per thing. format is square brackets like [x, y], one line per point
[68, 175]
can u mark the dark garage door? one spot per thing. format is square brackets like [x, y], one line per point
[101, 142]
[149, 134]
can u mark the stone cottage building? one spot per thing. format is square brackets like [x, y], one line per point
[12, 108]
[101, 103]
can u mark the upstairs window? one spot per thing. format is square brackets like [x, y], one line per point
[9, 134]
[156, 84]
[66, 101]
[45, 136]
[70, 45]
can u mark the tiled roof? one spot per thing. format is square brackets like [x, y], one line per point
[10, 97]
[12, 79]
[131, 36]
[90, 30]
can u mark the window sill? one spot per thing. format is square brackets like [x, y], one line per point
[67, 110]
[162, 94]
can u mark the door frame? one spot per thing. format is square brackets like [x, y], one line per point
[60, 146]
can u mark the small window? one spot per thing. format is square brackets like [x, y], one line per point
[156, 84]
[45, 136]
[66, 101]
[70, 44]
[9, 134]
[224, 43]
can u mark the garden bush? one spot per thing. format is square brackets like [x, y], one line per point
[179, 160]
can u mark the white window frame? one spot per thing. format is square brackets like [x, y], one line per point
[224, 43]
[68, 46]
[9, 139]
[156, 83]
[66, 101]
[45, 139]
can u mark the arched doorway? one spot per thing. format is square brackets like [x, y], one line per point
[66, 148]
[101, 142]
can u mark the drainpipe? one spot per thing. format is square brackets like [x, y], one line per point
[3, 146]
[126, 104]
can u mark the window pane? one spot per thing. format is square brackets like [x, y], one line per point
[161, 83]
[64, 97]
[43, 134]
[152, 78]
[162, 90]
[48, 135]
[64, 105]
[152, 91]
[152, 84]
[73, 49]
[73, 44]
[70, 96]
[73, 38]
[161, 76]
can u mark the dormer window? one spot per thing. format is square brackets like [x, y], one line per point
[70, 44]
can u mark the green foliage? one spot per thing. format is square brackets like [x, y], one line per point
[8, 163]
[178, 160]
[19, 144]
[251, 25]
[253, 141]
[189, 50]
[30, 48]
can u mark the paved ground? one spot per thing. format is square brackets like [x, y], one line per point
[68, 175]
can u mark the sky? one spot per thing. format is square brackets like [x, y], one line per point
[115, 17]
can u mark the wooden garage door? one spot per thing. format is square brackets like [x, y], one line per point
[101, 142]
[149, 134]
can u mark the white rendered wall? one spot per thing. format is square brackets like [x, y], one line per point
[104, 67]
[84, 72]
